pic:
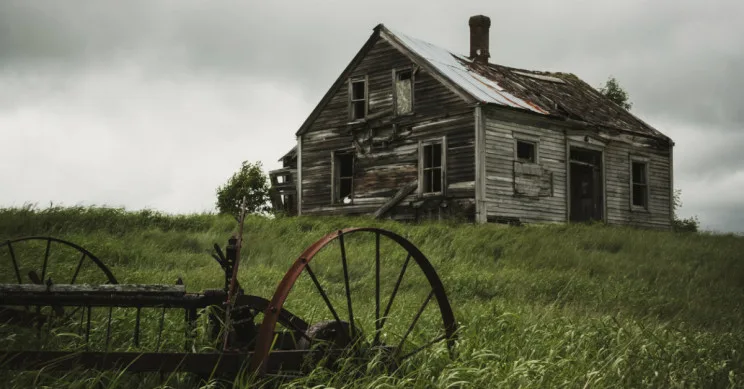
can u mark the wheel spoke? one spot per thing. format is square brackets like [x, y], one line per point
[15, 263]
[325, 298]
[377, 284]
[46, 258]
[299, 330]
[77, 269]
[415, 319]
[428, 344]
[392, 297]
[346, 282]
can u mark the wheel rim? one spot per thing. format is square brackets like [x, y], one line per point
[403, 348]
[27, 264]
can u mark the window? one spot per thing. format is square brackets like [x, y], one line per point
[432, 168]
[358, 98]
[403, 91]
[639, 184]
[343, 171]
[526, 151]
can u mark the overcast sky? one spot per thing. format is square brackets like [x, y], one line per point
[154, 104]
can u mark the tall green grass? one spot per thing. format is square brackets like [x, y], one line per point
[538, 306]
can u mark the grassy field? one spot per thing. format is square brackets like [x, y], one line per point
[538, 306]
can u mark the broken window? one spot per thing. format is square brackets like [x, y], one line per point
[432, 168]
[526, 151]
[403, 91]
[358, 98]
[343, 166]
[639, 183]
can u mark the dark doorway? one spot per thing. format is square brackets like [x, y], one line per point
[586, 185]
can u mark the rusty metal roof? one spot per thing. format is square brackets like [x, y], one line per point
[547, 93]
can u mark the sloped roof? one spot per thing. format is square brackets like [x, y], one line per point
[551, 94]
[292, 153]
[555, 94]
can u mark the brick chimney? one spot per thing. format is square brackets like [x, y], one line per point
[479, 26]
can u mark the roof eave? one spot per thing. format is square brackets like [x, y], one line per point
[580, 123]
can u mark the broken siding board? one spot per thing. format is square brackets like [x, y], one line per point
[395, 200]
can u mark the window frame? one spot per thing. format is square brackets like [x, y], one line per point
[535, 141]
[442, 141]
[395, 89]
[336, 176]
[647, 192]
[352, 81]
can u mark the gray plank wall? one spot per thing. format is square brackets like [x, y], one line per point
[500, 132]
[617, 169]
[380, 171]
[502, 127]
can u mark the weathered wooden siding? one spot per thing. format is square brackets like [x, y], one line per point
[386, 147]
[503, 185]
[502, 128]
[617, 169]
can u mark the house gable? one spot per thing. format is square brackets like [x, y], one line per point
[379, 45]
[385, 144]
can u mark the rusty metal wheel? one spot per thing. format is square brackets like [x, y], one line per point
[351, 280]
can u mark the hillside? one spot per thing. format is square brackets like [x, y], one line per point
[539, 306]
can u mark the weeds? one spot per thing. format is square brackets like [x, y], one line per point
[550, 306]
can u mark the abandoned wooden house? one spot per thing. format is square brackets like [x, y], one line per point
[411, 131]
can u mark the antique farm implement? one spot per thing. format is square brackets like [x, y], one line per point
[369, 293]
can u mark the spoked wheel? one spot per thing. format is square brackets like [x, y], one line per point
[43, 260]
[368, 289]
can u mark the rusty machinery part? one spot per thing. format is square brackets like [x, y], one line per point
[18, 262]
[244, 326]
[263, 349]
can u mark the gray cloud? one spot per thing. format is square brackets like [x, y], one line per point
[159, 88]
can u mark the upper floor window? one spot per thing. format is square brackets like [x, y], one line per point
[639, 184]
[526, 151]
[358, 98]
[403, 91]
[432, 160]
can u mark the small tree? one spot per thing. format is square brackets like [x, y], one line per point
[249, 182]
[613, 91]
[691, 224]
